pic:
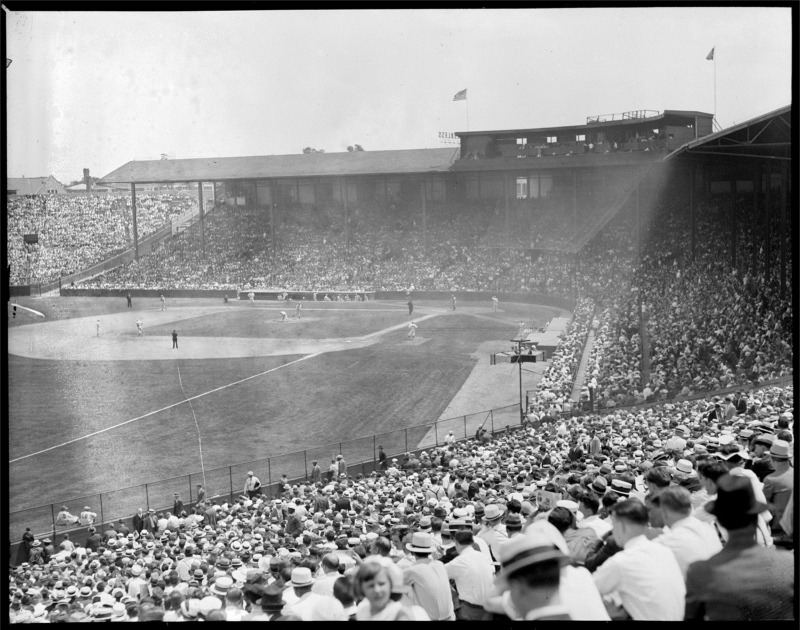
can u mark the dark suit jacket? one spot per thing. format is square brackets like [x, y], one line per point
[138, 523]
[742, 582]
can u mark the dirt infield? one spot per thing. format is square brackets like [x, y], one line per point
[77, 339]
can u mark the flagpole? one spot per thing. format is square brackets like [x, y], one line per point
[715, 86]
[467, 101]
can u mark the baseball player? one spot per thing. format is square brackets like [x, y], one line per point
[139, 326]
[98, 327]
[495, 302]
[283, 316]
[251, 296]
[297, 309]
[412, 330]
[163, 303]
[454, 302]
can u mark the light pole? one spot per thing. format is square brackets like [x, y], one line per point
[519, 365]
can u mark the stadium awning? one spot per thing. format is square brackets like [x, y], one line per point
[768, 136]
[353, 163]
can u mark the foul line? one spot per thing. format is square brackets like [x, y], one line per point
[199, 441]
[116, 426]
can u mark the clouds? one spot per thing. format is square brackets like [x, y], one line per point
[99, 89]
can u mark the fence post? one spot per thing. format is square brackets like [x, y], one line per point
[102, 518]
[465, 427]
[491, 418]
[406, 440]
[230, 477]
[374, 452]
[340, 448]
[436, 432]
[305, 463]
[190, 490]
[147, 497]
[53, 514]
[269, 476]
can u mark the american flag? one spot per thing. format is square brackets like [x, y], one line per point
[461, 96]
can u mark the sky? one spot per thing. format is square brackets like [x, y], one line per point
[99, 89]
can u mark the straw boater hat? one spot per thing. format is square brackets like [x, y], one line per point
[421, 542]
[780, 450]
[523, 551]
[492, 512]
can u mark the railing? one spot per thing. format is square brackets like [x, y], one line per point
[227, 483]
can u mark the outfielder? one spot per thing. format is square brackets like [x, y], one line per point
[412, 330]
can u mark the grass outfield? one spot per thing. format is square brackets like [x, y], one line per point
[335, 396]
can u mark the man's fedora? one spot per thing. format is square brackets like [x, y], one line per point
[735, 497]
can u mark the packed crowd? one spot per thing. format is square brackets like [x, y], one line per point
[667, 513]
[77, 231]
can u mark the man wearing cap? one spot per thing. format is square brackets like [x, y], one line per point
[645, 576]
[689, 538]
[427, 579]
[316, 472]
[779, 485]
[94, 541]
[341, 466]
[531, 577]
[493, 530]
[761, 463]
[473, 575]
[87, 516]
[252, 485]
[65, 518]
[744, 581]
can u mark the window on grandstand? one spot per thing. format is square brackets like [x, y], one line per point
[521, 142]
[552, 139]
[581, 137]
[522, 187]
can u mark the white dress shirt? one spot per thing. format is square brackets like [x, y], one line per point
[648, 580]
[690, 539]
[473, 574]
[601, 527]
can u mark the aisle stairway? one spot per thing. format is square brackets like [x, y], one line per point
[580, 377]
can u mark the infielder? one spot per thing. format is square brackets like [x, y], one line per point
[297, 309]
[98, 327]
[163, 303]
[139, 326]
[412, 330]
[251, 296]
[454, 302]
[495, 302]
[283, 316]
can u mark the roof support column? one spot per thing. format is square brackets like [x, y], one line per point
[505, 194]
[343, 182]
[135, 227]
[692, 213]
[768, 225]
[272, 202]
[783, 230]
[638, 220]
[733, 216]
[754, 227]
[424, 215]
[575, 199]
[202, 218]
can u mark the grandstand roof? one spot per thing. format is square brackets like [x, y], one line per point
[295, 165]
[34, 185]
[766, 136]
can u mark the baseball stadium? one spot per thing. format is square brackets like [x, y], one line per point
[344, 323]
